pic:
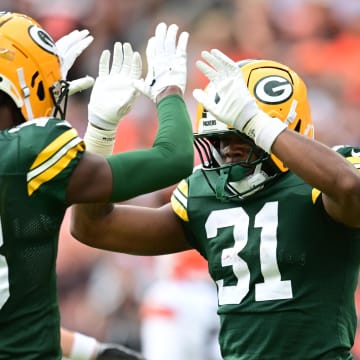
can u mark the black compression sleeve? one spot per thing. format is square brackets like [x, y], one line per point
[168, 161]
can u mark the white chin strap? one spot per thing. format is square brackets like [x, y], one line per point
[251, 183]
[217, 156]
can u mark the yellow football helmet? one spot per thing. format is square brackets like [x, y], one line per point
[281, 93]
[30, 71]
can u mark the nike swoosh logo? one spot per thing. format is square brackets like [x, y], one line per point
[355, 153]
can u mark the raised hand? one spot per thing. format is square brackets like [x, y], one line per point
[70, 47]
[167, 61]
[235, 106]
[113, 93]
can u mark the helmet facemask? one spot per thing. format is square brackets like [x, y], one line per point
[59, 93]
[234, 181]
[280, 93]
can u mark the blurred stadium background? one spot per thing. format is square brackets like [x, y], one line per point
[101, 293]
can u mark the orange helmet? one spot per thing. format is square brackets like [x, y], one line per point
[279, 92]
[30, 69]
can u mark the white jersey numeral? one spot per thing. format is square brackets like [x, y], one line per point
[4, 275]
[273, 288]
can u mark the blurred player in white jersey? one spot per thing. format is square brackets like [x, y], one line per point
[178, 313]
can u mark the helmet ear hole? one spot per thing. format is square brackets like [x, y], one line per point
[298, 126]
[40, 91]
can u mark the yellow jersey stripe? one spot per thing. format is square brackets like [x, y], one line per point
[54, 147]
[54, 165]
[183, 187]
[353, 160]
[179, 200]
[51, 161]
[315, 194]
[178, 209]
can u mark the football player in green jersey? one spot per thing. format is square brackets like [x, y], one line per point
[275, 213]
[45, 167]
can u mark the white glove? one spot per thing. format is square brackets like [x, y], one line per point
[112, 97]
[81, 84]
[236, 107]
[166, 61]
[113, 93]
[70, 46]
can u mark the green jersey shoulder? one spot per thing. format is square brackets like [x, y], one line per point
[43, 148]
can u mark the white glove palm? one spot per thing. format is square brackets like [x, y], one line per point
[236, 106]
[113, 93]
[70, 46]
[166, 61]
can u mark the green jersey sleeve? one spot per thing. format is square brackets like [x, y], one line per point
[168, 161]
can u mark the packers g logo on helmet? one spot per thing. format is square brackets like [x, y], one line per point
[30, 68]
[278, 91]
[273, 90]
[43, 39]
[281, 93]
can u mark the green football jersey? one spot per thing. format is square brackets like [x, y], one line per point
[286, 273]
[37, 159]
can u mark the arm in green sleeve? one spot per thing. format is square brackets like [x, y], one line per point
[170, 159]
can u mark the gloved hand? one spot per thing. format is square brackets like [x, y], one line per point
[117, 352]
[80, 84]
[166, 61]
[70, 46]
[236, 107]
[113, 93]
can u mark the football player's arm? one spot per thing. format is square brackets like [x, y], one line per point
[317, 164]
[327, 171]
[129, 229]
[123, 176]
[167, 162]
[171, 157]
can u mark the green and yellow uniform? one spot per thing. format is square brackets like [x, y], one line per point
[37, 160]
[286, 273]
